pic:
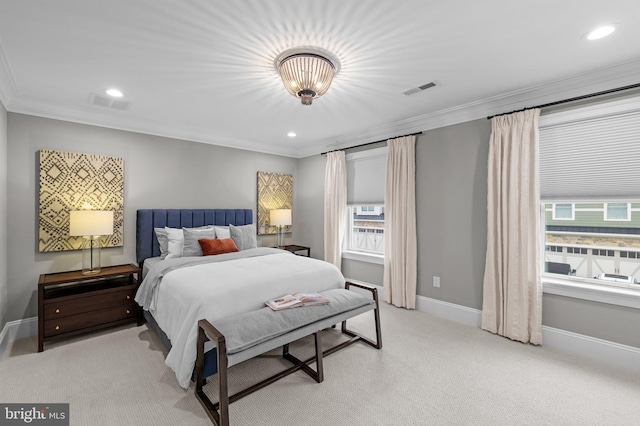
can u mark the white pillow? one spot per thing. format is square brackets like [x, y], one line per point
[244, 236]
[163, 241]
[176, 240]
[222, 232]
[191, 246]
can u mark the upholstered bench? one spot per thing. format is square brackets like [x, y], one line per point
[248, 335]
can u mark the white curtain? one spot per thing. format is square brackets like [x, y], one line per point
[400, 245]
[512, 294]
[335, 206]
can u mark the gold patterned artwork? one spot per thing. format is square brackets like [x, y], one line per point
[275, 191]
[72, 181]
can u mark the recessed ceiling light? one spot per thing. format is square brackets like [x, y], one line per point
[114, 92]
[600, 32]
[292, 134]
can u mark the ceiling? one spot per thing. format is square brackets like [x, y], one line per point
[203, 70]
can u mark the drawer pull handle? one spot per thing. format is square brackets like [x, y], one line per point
[128, 311]
[128, 297]
[57, 311]
[57, 327]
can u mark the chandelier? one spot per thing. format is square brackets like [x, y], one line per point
[306, 75]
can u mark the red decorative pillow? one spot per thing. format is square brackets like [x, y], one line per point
[217, 246]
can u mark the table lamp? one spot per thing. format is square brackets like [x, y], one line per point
[90, 225]
[280, 218]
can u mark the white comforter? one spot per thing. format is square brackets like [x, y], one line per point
[222, 289]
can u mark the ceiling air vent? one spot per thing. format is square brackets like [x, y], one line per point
[419, 88]
[105, 102]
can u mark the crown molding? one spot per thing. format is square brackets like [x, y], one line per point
[120, 120]
[602, 79]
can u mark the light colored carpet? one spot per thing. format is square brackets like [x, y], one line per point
[429, 372]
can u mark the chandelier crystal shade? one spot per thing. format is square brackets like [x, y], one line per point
[306, 75]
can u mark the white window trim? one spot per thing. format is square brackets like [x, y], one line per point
[573, 212]
[579, 289]
[363, 257]
[606, 211]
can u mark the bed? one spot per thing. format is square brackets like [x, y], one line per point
[176, 293]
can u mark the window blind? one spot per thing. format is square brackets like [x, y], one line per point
[366, 176]
[593, 153]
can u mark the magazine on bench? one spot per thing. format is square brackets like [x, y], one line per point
[295, 300]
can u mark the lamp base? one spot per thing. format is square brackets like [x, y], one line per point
[280, 236]
[91, 255]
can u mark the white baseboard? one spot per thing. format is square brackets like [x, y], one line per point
[604, 351]
[623, 356]
[19, 329]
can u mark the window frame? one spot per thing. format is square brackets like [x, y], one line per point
[555, 217]
[606, 212]
[575, 287]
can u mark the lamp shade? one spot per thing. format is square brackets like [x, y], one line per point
[90, 222]
[280, 217]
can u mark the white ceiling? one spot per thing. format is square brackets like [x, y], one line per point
[203, 70]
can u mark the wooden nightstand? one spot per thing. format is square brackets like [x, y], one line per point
[294, 248]
[70, 303]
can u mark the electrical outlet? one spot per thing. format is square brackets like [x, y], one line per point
[436, 281]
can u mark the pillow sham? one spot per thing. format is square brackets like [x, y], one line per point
[175, 241]
[190, 246]
[211, 247]
[244, 236]
[222, 232]
[174, 246]
[163, 241]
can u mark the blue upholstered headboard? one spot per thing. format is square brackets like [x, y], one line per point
[147, 219]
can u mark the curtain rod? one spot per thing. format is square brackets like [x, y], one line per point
[564, 101]
[371, 143]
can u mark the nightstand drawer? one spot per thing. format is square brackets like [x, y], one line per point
[91, 302]
[88, 319]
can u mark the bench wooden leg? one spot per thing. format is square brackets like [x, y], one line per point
[376, 312]
[318, 374]
[219, 412]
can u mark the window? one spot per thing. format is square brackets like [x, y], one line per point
[590, 200]
[365, 233]
[601, 252]
[576, 250]
[364, 239]
[617, 211]
[563, 211]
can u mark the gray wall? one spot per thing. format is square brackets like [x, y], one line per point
[451, 200]
[309, 222]
[159, 173]
[3, 216]
[600, 320]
